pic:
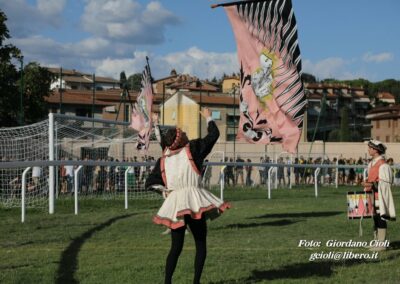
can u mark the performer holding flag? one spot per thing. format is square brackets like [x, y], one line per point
[177, 174]
[272, 98]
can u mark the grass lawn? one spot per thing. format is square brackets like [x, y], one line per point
[256, 241]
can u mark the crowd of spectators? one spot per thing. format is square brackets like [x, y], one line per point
[99, 179]
[246, 176]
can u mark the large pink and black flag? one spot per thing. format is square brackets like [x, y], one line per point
[272, 100]
[141, 112]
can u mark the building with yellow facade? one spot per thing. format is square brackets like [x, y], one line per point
[229, 83]
[183, 112]
[182, 109]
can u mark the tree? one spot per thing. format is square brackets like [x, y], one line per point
[334, 136]
[344, 132]
[392, 86]
[358, 83]
[135, 82]
[122, 80]
[9, 100]
[356, 135]
[308, 78]
[36, 85]
[330, 81]
[37, 82]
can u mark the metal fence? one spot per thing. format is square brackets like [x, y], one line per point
[106, 179]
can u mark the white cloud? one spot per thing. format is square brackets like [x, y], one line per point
[51, 7]
[107, 58]
[77, 55]
[203, 64]
[40, 47]
[25, 19]
[333, 67]
[378, 58]
[192, 61]
[91, 48]
[127, 21]
[339, 68]
[112, 67]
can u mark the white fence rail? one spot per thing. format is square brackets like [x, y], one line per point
[129, 171]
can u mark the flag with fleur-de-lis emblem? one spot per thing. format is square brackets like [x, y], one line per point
[272, 100]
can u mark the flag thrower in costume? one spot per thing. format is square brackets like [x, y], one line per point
[141, 112]
[272, 101]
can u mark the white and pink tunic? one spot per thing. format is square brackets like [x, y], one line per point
[186, 196]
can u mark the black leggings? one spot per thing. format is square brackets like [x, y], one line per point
[199, 231]
[379, 223]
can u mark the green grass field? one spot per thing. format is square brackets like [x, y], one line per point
[256, 241]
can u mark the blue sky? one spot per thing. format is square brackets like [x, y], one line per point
[343, 39]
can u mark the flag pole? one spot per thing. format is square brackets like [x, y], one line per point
[151, 77]
[234, 3]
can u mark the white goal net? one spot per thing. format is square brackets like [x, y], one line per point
[110, 145]
[112, 142]
[24, 144]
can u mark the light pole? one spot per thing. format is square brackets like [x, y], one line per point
[61, 90]
[94, 96]
[163, 103]
[21, 96]
[201, 87]
[234, 121]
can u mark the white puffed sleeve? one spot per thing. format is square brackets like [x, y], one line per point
[386, 203]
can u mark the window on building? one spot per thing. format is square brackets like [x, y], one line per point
[387, 138]
[83, 112]
[377, 124]
[216, 115]
[389, 123]
[377, 137]
[231, 134]
[395, 123]
[232, 122]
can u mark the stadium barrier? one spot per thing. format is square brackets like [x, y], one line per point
[131, 192]
[104, 152]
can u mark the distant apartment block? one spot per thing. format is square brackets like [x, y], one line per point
[385, 123]
[327, 116]
[179, 97]
[75, 80]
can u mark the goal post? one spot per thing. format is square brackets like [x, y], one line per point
[51, 168]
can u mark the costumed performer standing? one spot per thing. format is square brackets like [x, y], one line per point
[178, 174]
[379, 181]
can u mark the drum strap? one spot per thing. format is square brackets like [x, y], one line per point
[360, 231]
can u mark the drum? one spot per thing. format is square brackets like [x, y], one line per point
[360, 204]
